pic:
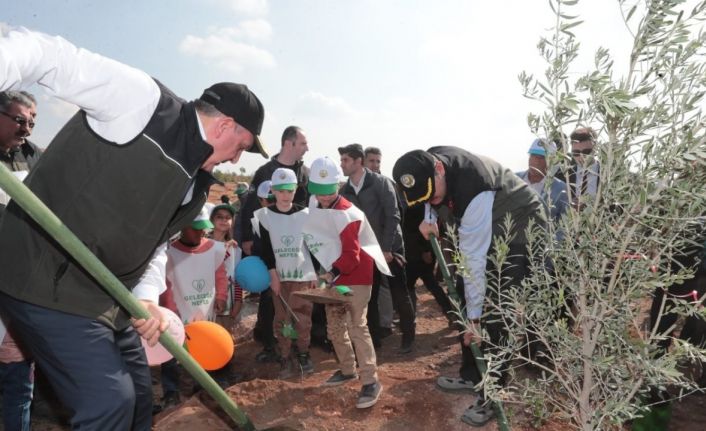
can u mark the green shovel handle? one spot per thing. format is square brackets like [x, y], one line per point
[29, 202]
[503, 423]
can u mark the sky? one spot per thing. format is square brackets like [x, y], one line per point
[396, 74]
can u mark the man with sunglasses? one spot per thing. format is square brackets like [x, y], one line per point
[125, 173]
[19, 155]
[16, 123]
[584, 174]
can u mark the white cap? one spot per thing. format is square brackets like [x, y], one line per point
[284, 179]
[324, 177]
[540, 147]
[263, 190]
[202, 220]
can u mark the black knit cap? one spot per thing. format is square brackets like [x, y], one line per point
[241, 104]
[414, 175]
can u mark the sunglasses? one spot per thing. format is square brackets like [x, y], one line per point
[585, 151]
[22, 121]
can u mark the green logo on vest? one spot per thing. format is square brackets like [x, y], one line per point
[199, 285]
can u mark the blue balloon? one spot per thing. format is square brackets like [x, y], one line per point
[252, 275]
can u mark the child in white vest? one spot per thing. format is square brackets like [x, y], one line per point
[279, 230]
[196, 287]
[342, 241]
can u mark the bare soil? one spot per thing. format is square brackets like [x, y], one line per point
[409, 401]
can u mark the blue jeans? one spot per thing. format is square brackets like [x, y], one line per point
[17, 382]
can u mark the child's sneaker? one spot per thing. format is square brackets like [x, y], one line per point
[170, 399]
[267, 355]
[305, 363]
[339, 378]
[369, 395]
[286, 368]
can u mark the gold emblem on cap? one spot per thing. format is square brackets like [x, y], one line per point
[407, 180]
[282, 175]
[323, 173]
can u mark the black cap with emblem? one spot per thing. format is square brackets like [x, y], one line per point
[414, 174]
[241, 104]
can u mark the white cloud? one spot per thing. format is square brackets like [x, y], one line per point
[223, 49]
[254, 30]
[317, 104]
[249, 7]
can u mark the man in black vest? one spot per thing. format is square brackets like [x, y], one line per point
[124, 174]
[479, 193]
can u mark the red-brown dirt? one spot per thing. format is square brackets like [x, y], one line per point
[409, 400]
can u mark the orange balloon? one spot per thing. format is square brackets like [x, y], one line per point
[209, 344]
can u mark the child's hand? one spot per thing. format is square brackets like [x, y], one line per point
[275, 285]
[220, 306]
[327, 277]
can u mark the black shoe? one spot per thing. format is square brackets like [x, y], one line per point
[406, 347]
[305, 363]
[384, 332]
[339, 378]
[369, 395]
[286, 368]
[170, 399]
[267, 355]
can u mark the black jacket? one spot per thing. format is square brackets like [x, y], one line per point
[22, 158]
[468, 175]
[378, 200]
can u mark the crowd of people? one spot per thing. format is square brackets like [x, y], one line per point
[130, 174]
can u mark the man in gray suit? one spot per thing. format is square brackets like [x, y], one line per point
[554, 195]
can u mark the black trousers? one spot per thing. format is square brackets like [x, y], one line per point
[264, 326]
[419, 269]
[401, 301]
[99, 374]
[694, 330]
[516, 269]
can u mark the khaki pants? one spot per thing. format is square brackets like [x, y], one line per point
[301, 308]
[346, 324]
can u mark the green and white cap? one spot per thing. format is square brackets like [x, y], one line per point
[264, 190]
[202, 221]
[323, 177]
[284, 179]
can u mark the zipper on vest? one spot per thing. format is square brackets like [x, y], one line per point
[57, 278]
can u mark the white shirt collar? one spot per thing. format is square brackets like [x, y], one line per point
[360, 183]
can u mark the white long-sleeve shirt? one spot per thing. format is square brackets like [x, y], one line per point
[119, 101]
[475, 233]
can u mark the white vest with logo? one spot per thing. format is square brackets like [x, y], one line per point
[293, 261]
[322, 232]
[193, 280]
